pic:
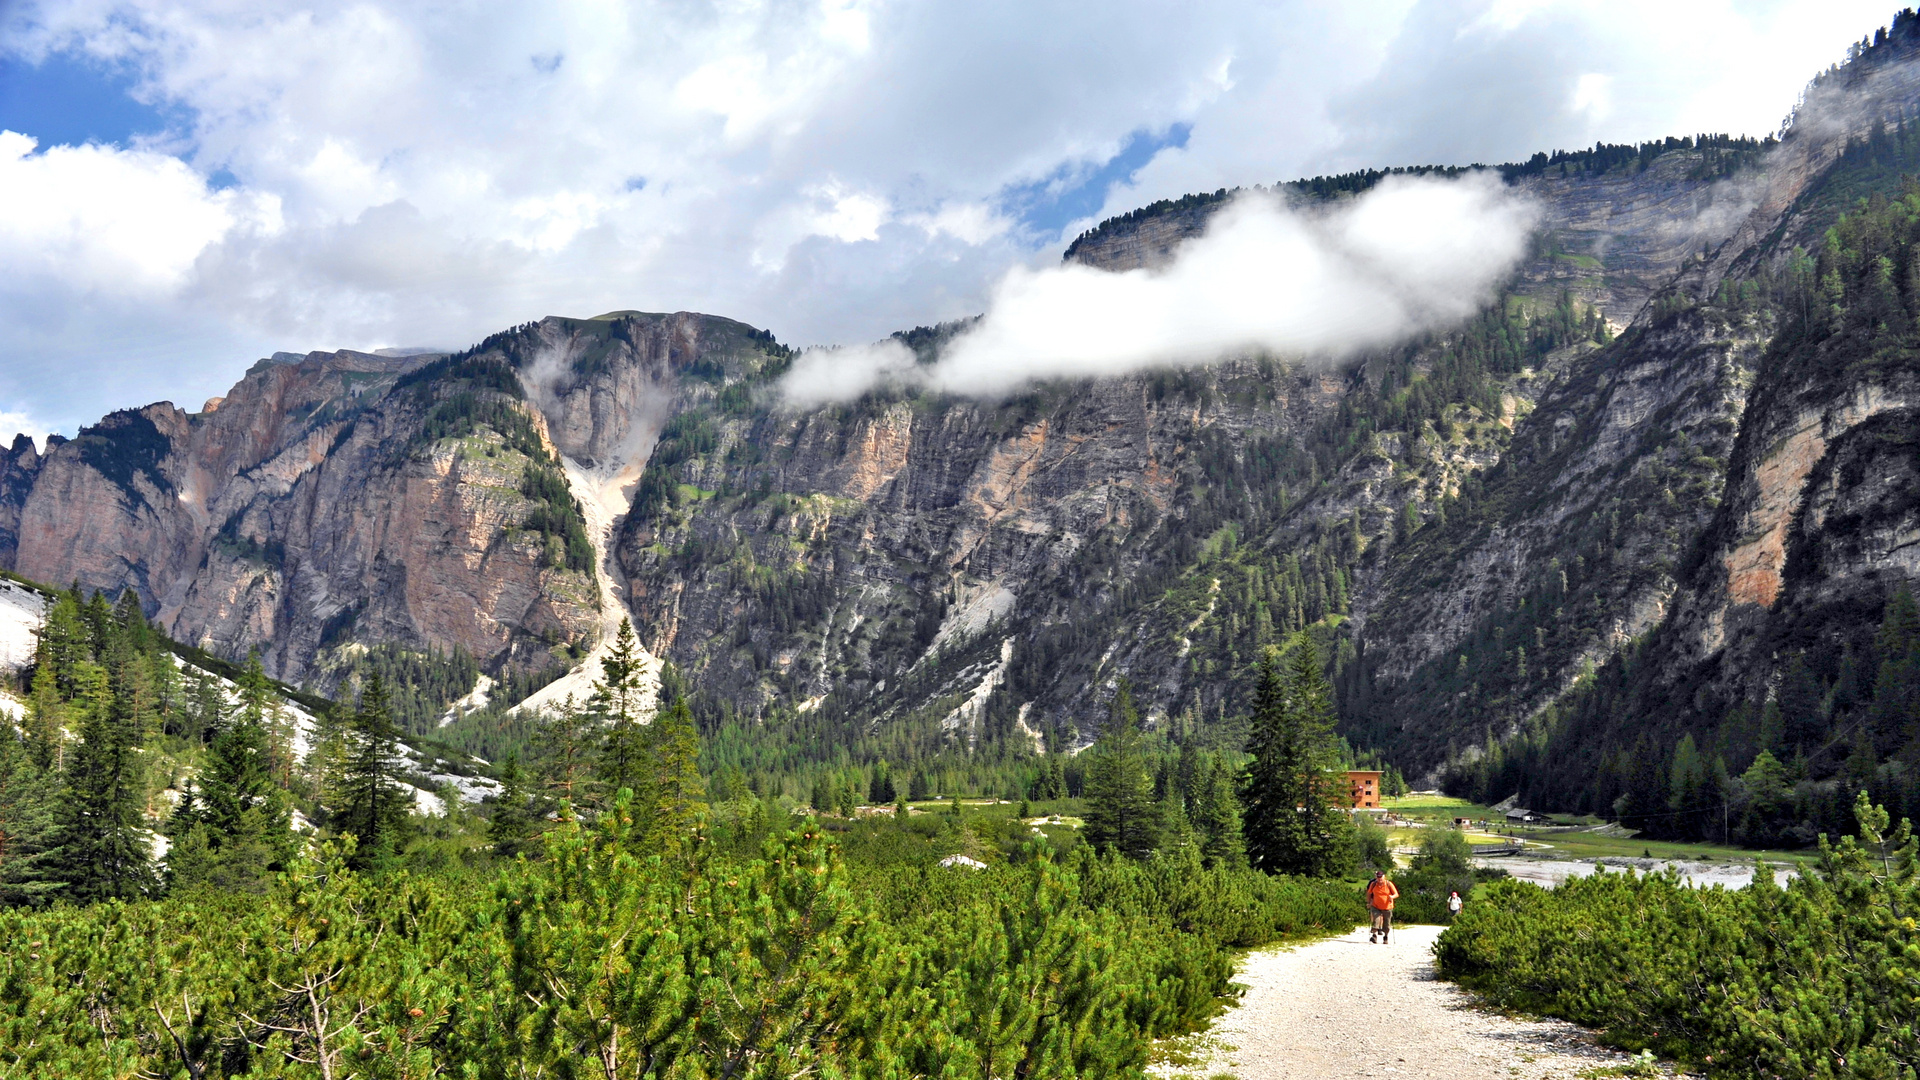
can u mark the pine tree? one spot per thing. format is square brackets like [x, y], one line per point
[244, 816]
[512, 823]
[28, 794]
[674, 794]
[372, 803]
[1268, 792]
[46, 712]
[1052, 781]
[64, 640]
[619, 693]
[880, 788]
[101, 847]
[617, 698]
[1292, 824]
[1896, 691]
[1393, 785]
[1217, 815]
[564, 748]
[1121, 813]
[207, 702]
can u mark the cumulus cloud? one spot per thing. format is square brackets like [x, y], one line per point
[388, 173]
[1410, 255]
[14, 423]
[841, 373]
[102, 218]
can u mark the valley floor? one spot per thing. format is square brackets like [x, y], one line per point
[1345, 1008]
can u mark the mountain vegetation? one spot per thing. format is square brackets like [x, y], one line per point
[1801, 979]
[605, 914]
[1741, 760]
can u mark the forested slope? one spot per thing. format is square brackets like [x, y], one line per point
[1466, 523]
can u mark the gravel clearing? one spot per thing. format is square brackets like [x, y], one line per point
[1345, 1008]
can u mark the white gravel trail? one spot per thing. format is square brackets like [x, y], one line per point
[1345, 1008]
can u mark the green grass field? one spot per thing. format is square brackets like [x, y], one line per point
[1440, 810]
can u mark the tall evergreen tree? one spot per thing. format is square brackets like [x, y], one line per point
[243, 813]
[1217, 816]
[372, 804]
[512, 824]
[1121, 813]
[617, 698]
[880, 787]
[1896, 691]
[672, 798]
[64, 640]
[563, 747]
[28, 795]
[46, 712]
[1293, 824]
[102, 850]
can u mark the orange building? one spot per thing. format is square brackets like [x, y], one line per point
[1364, 789]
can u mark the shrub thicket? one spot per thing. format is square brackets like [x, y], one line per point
[1813, 979]
[602, 958]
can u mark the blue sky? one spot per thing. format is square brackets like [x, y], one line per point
[186, 186]
[65, 98]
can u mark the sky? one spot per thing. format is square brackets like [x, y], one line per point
[188, 186]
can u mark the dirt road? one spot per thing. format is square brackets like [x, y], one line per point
[1345, 1008]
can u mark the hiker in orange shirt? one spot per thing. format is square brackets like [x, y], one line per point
[1381, 894]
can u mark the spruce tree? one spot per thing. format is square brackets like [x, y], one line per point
[372, 803]
[564, 749]
[1896, 691]
[1056, 778]
[28, 796]
[1268, 794]
[1121, 813]
[674, 794]
[46, 712]
[512, 823]
[64, 640]
[1217, 815]
[617, 699]
[244, 817]
[102, 850]
[880, 787]
[1292, 822]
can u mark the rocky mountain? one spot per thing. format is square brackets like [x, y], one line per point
[1622, 456]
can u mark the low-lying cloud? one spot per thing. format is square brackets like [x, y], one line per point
[1411, 255]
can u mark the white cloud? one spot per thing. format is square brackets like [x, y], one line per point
[1593, 95]
[101, 218]
[14, 423]
[431, 171]
[1410, 255]
[829, 210]
[969, 223]
[844, 373]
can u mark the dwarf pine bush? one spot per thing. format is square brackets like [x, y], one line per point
[1813, 979]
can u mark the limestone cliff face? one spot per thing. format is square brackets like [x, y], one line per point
[336, 498]
[1466, 523]
[882, 554]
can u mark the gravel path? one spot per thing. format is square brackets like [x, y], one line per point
[1345, 1008]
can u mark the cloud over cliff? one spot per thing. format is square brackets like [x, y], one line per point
[1411, 255]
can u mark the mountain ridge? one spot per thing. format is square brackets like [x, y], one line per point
[1467, 524]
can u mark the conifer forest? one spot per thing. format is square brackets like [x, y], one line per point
[1044, 693]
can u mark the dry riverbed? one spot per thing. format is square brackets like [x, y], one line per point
[1551, 872]
[1345, 1008]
